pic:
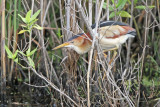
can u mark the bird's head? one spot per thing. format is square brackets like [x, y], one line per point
[80, 43]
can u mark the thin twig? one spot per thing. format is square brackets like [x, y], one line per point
[143, 57]
[93, 42]
[52, 85]
[130, 39]
[43, 18]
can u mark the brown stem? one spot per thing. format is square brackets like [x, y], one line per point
[3, 61]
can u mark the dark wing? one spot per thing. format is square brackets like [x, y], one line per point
[108, 23]
[115, 31]
[112, 29]
[81, 35]
[75, 36]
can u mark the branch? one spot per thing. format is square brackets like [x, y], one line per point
[93, 42]
[84, 18]
[51, 84]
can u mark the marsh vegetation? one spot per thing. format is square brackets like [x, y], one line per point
[32, 74]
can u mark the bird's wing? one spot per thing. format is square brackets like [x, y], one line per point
[112, 29]
[109, 23]
[115, 31]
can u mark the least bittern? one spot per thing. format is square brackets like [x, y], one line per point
[110, 34]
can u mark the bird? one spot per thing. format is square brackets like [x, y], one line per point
[110, 34]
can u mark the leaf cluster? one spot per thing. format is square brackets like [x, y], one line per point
[14, 57]
[30, 22]
[119, 8]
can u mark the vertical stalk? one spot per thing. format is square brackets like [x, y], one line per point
[43, 18]
[92, 47]
[61, 21]
[30, 42]
[3, 61]
[18, 12]
[15, 32]
[107, 9]
[96, 9]
[54, 16]
[143, 57]
[158, 10]
[9, 33]
[91, 53]
[90, 11]
[130, 39]
[30, 33]
[61, 16]
[109, 53]
[68, 18]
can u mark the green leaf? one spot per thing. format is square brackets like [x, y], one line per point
[121, 4]
[35, 15]
[28, 51]
[32, 52]
[22, 53]
[22, 31]
[144, 7]
[120, 13]
[59, 32]
[15, 54]
[31, 63]
[151, 7]
[23, 26]
[16, 60]
[28, 15]
[23, 19]
[20, 80]
[130, 2]
[111, 8]
[38, 27]
[135, 2]
[9, 53]
[112, 1]
[105, 6]
[140, 7]
[123, 14]
[112, 15]
[32, 22]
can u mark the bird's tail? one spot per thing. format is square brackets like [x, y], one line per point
[132, 33]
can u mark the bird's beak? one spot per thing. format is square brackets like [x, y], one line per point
[62, 45]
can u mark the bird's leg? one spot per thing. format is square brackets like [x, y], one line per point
[110, 62]
[114, 55]
[109, 50]
[105, 55]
